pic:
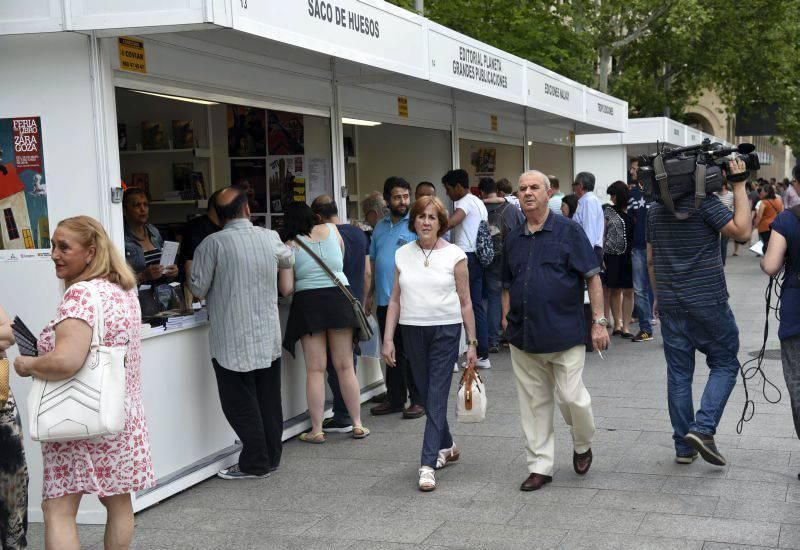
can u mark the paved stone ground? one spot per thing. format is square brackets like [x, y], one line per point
[362, 494]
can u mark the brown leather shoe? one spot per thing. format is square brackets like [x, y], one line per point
[414, 411]
[582, 462]
[535, 482]
[385, 408]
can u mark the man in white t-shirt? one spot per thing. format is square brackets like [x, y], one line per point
[468, 212]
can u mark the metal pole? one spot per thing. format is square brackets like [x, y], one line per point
[419, 6]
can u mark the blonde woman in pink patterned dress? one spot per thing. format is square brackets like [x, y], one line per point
[110, 467]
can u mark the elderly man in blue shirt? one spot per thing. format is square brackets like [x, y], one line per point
[589, 214]
[545, 263]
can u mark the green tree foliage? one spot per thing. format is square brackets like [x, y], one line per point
[657, 54]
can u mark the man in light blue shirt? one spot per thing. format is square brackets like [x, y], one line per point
[391, 233]
[554, 204]
[589, 214]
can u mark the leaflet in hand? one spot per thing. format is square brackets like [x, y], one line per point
[26, 341]
[169, 252]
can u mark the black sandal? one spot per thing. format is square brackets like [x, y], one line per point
[617, 332]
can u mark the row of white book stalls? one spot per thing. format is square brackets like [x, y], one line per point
[284, 99]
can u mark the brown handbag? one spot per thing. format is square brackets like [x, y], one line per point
[5, 384]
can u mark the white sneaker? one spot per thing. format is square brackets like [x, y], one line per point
[455, 367]
[427, 480]
[483, 363]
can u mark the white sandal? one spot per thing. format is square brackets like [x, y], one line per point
[427, 481]
[447, 455]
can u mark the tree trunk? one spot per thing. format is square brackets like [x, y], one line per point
[667, 81]
[604, 68]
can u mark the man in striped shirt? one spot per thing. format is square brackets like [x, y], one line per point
[683, 257]
[236, 270]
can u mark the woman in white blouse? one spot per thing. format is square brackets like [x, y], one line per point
[431, 300]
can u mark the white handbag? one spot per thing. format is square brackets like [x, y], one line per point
[89, 404]
[471, 402]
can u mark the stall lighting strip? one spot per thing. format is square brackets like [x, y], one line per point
[178, 98]
[358, 122]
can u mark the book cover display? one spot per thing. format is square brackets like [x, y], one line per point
[153, 136]
[276, 139]
[182, 134]
[24, 222]
[247, 132]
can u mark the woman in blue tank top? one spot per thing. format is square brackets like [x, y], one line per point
[321, 317]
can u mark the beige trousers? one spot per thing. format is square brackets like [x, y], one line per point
[537, 376]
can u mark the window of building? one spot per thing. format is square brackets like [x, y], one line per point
[11, 224]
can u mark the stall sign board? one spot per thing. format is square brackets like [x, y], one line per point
[493, 120]
[605, 111]
[24, 222]
[465, 64]
[363, 31]
[131, 55]
[554, 94]
[402, 106]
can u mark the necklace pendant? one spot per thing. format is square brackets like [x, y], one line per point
[426, 263]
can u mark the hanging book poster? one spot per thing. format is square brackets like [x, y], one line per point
[285, 133]
[250, 175]
[24, 227]
[483, 160]
[247, 132]
[287, 181]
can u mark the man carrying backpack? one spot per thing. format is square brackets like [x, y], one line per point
[468, 226]
[503, 217]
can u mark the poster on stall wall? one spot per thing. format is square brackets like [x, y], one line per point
[287, 181]
[24, 223]
[318, 179]
[285, 133]
[247, 132]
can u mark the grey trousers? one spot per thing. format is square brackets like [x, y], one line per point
[790, 356]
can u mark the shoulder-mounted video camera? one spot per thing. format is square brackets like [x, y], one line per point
[672, 174]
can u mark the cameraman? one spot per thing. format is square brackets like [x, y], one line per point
[685, 265]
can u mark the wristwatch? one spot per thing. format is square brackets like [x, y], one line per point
[602, 321]
[473, 343]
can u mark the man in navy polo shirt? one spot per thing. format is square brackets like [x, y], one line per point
[391, 233]
[545, 263]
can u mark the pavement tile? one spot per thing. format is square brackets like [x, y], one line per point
[569, 517]
[758, 510]
[455, 510]
[369, 528]
[471, 535]
[726, 488]
[550, 494]
[611, 480]
[272, 522]
[694, 505]
[729, 546]
[665, 464]
[790, 536]
[710, 529]
[407, 485]
[580, 540]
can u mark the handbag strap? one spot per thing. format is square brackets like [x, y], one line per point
[327, 270]
[98, 330]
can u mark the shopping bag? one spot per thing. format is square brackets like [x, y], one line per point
[471, 402]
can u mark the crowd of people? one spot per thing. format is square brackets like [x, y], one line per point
[561, 266]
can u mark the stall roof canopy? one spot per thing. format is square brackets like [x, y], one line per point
[647, 131]
[370, 32]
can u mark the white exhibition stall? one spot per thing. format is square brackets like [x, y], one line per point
[608, 156]
[85, 72]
